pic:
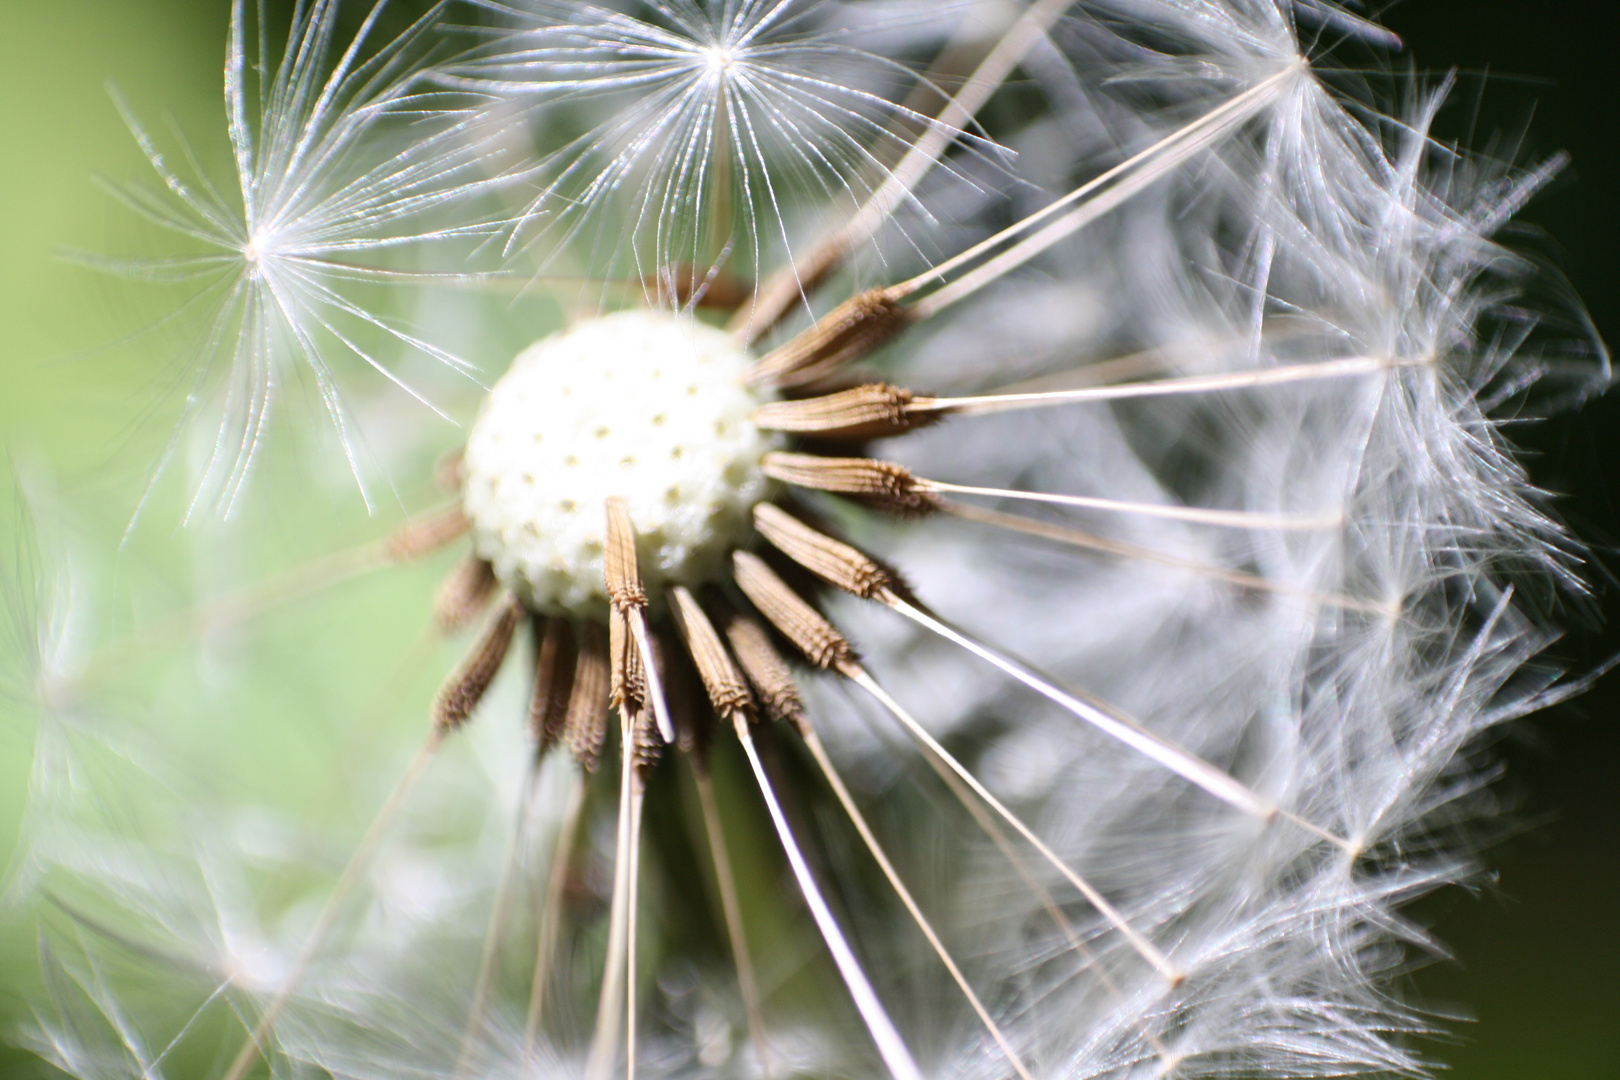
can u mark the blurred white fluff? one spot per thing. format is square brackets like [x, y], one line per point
[1341, 672]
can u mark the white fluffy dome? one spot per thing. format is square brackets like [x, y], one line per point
[646, 405]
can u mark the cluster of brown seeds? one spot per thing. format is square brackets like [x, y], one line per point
[731, 638]
[571, 700]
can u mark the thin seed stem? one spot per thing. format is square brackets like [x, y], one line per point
[326, 922]
[638, 798]
[610, 1005]
[1004, 844]
[1106, 370]
[819, 752]
[1109, 189]
[1095, 372]
[1236, 519]
[246, 603]
[731, 907]
[891, 1047]
[498, 918]
[1144, 948]
[991, 73]
[1148, 744]
[720, 203]
[551, 910]
[751, 321]
[1346, 367]
[1064, 534]
[391, 692]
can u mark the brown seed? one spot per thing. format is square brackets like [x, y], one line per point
[635, 685]
[800, 623]
[834, 561]
[765, 668]
[882, 484]
[625, 594]
[585, 727]
[784, 288]
[728, 690]
[873, 411]
[647, 744]
[619, 560]
[861, 324]
[682, 285]
[628, 682]
[555, 656]
[426, 534]
[463, 593]
[447, 470]
[465, 688]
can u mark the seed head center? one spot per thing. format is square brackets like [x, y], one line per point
[645, 405]
[260, 244]
[718, 59]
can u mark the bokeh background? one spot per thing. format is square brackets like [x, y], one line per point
[1537, 946]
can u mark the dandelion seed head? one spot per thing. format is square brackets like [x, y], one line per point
[1210, 656]
[263, 244]
[645, 405]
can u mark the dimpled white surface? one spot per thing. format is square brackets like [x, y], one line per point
[646, 405]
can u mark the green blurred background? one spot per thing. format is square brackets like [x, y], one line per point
[1538, 948]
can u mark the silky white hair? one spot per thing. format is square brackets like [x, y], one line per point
[1334, 644]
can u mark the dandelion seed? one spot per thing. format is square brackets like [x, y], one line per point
[1186, 754]
[321, 206]
[738, 111]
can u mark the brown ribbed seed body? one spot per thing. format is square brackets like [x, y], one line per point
[555, 660]
[466, 687]
[858, 326]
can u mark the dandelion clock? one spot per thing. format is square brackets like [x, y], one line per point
[771, 538]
